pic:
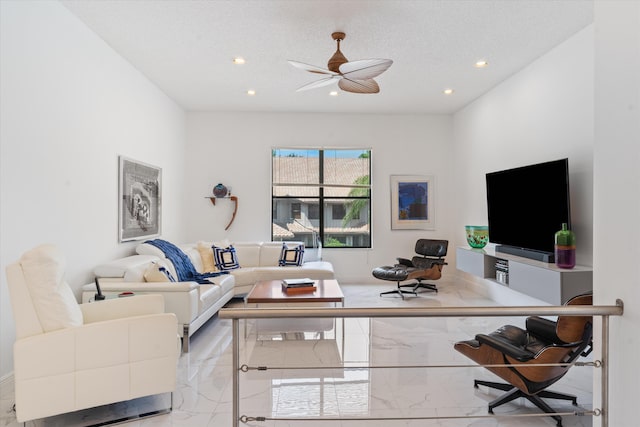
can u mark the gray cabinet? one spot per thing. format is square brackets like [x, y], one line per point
[540, 280]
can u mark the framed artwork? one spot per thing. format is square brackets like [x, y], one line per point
[139, 200]
[412, 202]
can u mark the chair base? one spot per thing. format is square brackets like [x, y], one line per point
[514, 393]
[400, 292]
[415, 285]
[420, 284]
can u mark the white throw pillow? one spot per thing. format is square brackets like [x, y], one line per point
[53, 299]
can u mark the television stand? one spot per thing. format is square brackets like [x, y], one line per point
[526, 253]
[541, 280]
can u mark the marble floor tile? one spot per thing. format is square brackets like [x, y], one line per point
[336, 387]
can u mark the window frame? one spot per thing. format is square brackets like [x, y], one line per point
[322, 199]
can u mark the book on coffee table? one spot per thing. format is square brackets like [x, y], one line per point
[298, 289]
[298, 283]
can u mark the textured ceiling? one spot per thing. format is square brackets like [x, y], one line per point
[186, 48]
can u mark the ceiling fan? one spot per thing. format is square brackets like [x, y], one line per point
[354, 76]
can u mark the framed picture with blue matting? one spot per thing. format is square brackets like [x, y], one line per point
[412, 202]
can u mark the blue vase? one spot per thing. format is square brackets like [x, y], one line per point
[220, 190]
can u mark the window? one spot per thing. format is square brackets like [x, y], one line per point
[295, 210]
[338, 211]
[313, 211]
[322, 194]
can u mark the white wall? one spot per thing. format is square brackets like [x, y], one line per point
[542, 113]
[235, 149]
[617, 194]
[548, 111]
[69, 107]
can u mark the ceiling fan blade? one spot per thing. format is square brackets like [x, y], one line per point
[311, 68]
[359, 86]
[365, 69]
[319, 83]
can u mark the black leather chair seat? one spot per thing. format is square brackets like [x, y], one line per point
[523, 345]
[393, 273]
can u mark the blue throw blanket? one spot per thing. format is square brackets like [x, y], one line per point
[184, 267]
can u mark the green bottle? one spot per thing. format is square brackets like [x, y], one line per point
[565, 247]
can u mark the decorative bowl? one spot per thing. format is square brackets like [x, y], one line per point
[477, 235]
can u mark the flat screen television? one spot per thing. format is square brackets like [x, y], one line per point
[527, 206]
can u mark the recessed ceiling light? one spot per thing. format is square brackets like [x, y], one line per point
[333, 93]
[481, 63]
[447, 91]
[238, 60]
[251, 92]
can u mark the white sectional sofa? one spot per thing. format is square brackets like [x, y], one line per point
[195, 303]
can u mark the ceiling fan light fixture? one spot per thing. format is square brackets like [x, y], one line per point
[354, 77]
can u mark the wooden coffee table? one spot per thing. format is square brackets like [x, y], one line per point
[270, 291]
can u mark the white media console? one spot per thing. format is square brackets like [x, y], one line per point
[540, 280]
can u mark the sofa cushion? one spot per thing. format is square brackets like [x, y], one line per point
[153, 254]
[191, 251]
[226, 283]
[291, 255]
[187, 254]
[225, 258]
[274, 273]
[147, 249]
[270, 253]
[248, 253]
[247, 275]
[53, 299]
[131, 268]
[317, 270]
[209, 295]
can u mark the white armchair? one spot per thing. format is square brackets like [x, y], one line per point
[69, 357]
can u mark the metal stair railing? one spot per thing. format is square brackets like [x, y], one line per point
[602, 311]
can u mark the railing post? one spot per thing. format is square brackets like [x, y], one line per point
[605, 372]
[235, 326]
